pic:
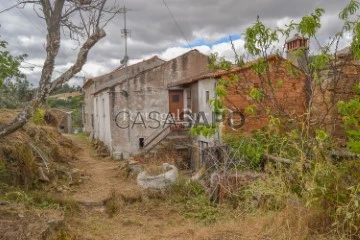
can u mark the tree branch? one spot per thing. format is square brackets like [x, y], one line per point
[81, 59]
[18, 4]
[54, 12]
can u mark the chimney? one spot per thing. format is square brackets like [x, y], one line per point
[297, 51]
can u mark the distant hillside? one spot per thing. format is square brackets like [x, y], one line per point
[65, 96]
[66, 88]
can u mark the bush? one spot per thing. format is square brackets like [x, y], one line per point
[351, 117]
[38, 117]
[193, 201]
[20, 168]
[314, 180]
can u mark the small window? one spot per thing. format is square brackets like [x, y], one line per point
[175, 98]
[207, 96]
[141, 143]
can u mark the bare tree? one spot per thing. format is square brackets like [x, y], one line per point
[81, 20]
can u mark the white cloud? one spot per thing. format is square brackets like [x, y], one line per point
[207, 35]
[93, 69]
[28, 41]
[223, 50]
[154, 32]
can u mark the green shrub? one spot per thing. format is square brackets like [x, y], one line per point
[351, 117]
[314, 180]
[193, 201]
[38, 117]
[49, 201]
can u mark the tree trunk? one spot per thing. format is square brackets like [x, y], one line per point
[46, 86]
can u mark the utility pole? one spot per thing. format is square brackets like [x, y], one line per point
[125, 33]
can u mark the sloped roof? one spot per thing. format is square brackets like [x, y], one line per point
[119, 69]
[163, 62]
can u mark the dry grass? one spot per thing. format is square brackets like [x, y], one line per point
[65, 96]
[290, 223]
[174, 215]
[158, 220]
[154, 170]
[163, 156]
[114, 203]
[20, 163]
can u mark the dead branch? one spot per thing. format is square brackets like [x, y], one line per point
[19, 4]
[58, 15]
[272, 158]
[80, 61]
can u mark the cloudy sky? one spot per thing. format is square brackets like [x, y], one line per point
[204, 25]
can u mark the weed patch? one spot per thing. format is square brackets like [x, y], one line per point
[113, 203]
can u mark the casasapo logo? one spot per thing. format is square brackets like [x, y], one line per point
[125, 119]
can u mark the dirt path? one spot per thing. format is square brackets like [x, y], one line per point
[102, 175]
[151, 219]
[140, 218]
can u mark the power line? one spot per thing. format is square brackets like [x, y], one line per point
[39, 66]
[177, 25]
[125, 60]
[43, 32]
[32, 23]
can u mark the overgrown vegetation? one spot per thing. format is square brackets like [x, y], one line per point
[194, 202]
[66, 88]
[315, 180]
[37, 199]
[113, 203]
[34, 156]
[351, 117]
[318, 176]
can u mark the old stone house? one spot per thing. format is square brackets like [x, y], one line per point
[95, 84]
[130, 114]
[128, 111]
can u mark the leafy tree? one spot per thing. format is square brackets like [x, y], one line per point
[14, 88]
[9, 65]
[313, 171]
[261, 41]
[351, 117]
[66, 88]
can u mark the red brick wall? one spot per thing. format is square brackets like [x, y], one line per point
[290, 96]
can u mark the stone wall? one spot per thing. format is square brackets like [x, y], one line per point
[148, 91]
[107, 80]
[335, 83]
[88, 108]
